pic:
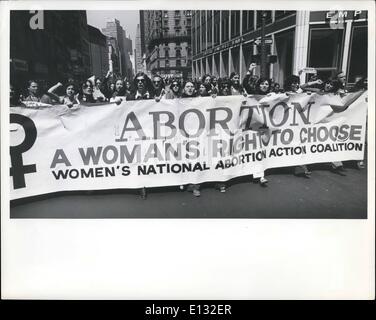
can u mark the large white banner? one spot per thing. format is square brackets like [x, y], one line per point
[175, 142]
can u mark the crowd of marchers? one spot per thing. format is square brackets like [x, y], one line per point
[157, 87]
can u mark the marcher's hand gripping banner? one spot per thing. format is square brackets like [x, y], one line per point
[175, 142]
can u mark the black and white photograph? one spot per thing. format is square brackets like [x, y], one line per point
[236, 106]
[132, 115]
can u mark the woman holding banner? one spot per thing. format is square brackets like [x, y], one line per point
[262, 87]
[142, 91]
[292, 86]
[189, 91]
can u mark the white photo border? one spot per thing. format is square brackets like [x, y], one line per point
[186, 258]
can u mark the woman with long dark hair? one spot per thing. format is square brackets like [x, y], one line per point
[128, 87]
[142, 87]
[69, 99]
[97, 90]
[86, 92]
[204, 90]
[263, 86]
[174, 91]
[236, 88]
[224, 87]
[119, 90]
[292, 85]
[210, 81]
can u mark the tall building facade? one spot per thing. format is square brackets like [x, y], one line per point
[55, 53]
[98, 52]
[166, 41]
[114, 56]
[139, 67]
[113, 29]
[128, 47]
[227, 41]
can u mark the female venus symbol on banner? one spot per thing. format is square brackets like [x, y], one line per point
[18, 170]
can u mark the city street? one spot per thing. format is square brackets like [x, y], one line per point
[324, 195]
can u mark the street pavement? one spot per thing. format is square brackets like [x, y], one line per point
[326, 195]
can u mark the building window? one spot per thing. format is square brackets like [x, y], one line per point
[357, 64]
[209, 28]
[281, 14]
[284, 45]
[248, 20]
[177, 53]
[198, 36]
[217, 24]
[268, 17]
[188, 13]
[178, 63]
[177, 22]
[167, 63]
[203, 30]
[325, 50]
[235, 23]
[177, 13]
[225, 25]
[167, 55]
[193, 41]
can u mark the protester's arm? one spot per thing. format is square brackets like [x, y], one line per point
[51, 92]
[103, 86]
[248, 75]
[252, 67]
[157, 99]
[307, 86]
[343, 107]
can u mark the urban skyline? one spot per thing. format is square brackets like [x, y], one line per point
[128, 20]
[192, 43]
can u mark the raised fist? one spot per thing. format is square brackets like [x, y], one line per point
[252, 66]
